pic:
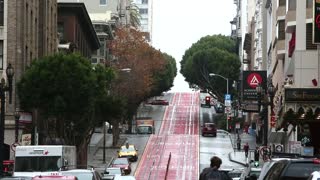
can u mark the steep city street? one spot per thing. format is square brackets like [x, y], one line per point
[178, 138]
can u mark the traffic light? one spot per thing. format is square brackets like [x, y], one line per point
[208, 101]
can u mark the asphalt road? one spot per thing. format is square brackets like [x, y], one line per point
[177, 132]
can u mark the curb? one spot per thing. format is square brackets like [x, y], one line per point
[241, 163]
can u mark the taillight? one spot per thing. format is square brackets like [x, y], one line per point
[316, 161]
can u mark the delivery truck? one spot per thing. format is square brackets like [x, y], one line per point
[145, 125]
[43, 159]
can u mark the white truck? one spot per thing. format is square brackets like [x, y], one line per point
[43, 159]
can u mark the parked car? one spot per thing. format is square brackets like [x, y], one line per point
[293, 169]
[122, 163]
[54, 177]
[129, 151]
[83, 174]
[112, 172]
[159, 102]
[314, 176]
[16, 178]
[219, 108]
[209, 129]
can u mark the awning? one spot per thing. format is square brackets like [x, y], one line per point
[276, 137]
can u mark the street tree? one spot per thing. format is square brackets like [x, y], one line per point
[134, 14]
[65, 90]
[164, 79]
[211, 54]
[135, 53]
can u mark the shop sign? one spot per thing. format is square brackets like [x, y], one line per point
[316, 22]
[302, 94]
[251, 79]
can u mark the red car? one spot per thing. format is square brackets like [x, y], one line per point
[159, 102]
[122, 163]
[209, 129]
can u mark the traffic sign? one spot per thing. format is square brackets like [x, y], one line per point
[227, 103]
[227, 97]
[13, 146]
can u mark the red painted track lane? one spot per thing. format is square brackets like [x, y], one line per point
[178, 136]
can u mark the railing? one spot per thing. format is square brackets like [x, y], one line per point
[168, 165]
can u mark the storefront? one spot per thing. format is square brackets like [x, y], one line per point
[300, 120]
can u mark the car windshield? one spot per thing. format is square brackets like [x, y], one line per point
[129, 149]
[120, 161]
[113, 171]
[80, 175]
[144, 130]
[37, 163]
[302, 170]
[209, 125]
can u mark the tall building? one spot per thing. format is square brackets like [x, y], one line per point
[291, 60]
[146, 20]
[28, 31]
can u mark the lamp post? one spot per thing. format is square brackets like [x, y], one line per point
[262, 100]
[17, 117]
[213, 74]
[104, 143]
[3, 89]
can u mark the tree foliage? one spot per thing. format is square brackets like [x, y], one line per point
[133, 52]
[134, 14]
[70, 91]
[211, 54]
[164, 79]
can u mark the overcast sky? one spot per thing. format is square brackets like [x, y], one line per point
[177, 24]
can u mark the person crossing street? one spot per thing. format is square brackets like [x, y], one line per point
[246, 149]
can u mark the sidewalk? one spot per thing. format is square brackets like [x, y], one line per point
[95, 151]
[239, 156]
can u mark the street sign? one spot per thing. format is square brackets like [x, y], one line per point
[227, 97]
[227, 103]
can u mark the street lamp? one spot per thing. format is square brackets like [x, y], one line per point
[3, 89]
[213, 74]
[17, 117]
[262, 101]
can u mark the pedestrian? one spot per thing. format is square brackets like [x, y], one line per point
[212, 172]
[256, 154]
[238, 143]
[246, 149]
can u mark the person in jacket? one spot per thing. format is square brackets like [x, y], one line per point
[212, 172]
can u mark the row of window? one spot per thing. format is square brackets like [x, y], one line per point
[293, 3]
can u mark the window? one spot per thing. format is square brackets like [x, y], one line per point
[144, 2]
[309, 44]
[282, 2]
[143, 11]
[309, 4]
[292, 5]
[281, 30]
[1, 54]
[1, 12]
[103, 2]
[94, 60]
[102, 48]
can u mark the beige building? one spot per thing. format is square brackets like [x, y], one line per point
[28, 30]
[293, 67]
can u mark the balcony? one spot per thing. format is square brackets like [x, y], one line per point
[291, 21]
[281, 50]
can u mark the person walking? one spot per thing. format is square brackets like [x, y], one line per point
[246, 149]
[256, 154]
[238, 143]
[212, 172]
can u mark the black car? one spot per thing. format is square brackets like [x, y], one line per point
[293, 169]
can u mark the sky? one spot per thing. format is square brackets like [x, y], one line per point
[177, 24]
